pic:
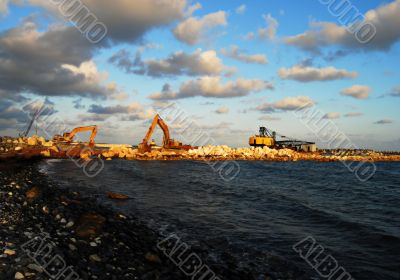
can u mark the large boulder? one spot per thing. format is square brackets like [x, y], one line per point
[32, 141]
[108, 154]
[48, 144]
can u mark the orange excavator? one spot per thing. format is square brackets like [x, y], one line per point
[68, 137]
[168, 143]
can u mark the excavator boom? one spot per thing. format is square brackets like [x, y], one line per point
[69, 136]
[156, 121]
[167, 141]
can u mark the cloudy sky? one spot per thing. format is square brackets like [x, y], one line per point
[231, 65]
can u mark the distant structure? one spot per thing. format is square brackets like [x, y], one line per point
[267, 138]
[34, 118]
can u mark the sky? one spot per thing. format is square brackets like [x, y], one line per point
[231, 66]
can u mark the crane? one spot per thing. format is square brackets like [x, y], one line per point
[168, 143]
[34, 118]
[68, 137]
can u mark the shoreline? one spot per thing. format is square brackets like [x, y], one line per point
[97, 242]
[41, 149]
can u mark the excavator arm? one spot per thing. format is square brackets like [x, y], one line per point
[157, 121]
[151, 130]
[92, 128]
[165, 130]
[69, 136]
[167, 141]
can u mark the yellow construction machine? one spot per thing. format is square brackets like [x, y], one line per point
[264, 138]
[267, 138]
[168, 143]
[68, 137]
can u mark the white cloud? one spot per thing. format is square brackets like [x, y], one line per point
[384, 121]
[179, 63]
[92, 118]
[357, 91]
[303, 73]
[235, 53]
[287, 104]
[127, 112]
[268, 32]
[385, 19]
[4, 7]
[91, 79]
[127, 21]
[192, 30]
[241, 9]
[332, 116]
[353, 115]
[222, 110]
[265, 33]
[269, 118]
[212, 87]
[197, 63]
[134, 107]
[395, 91]
[55, 62]
[192, 9]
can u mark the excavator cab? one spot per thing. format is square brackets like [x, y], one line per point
[153, 143]
[265, 138]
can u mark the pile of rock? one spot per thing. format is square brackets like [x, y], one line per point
[39, 146]
[122, 152]
[251, 153]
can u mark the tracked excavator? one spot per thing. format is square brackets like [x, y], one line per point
[168, 143]
[68, 137]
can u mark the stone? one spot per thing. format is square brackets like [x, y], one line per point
[69, 224]
[41, 140]
[45, 153]
[108, 154]
[89, 225]
[45, 210]
[150, 257]
[86, 156]
[9, 252]
[32, 193]
[32, 141]
[19, 275]
[35, 267]
[95, 258]
[117, 196]
[48, 144]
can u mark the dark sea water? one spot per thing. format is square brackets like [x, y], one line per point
[263, 212]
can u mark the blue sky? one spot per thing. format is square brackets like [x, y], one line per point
[367, 72]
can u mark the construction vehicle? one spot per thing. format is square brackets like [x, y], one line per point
[168, 143]
[68, 137]
[264, 138]
[268, 138]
